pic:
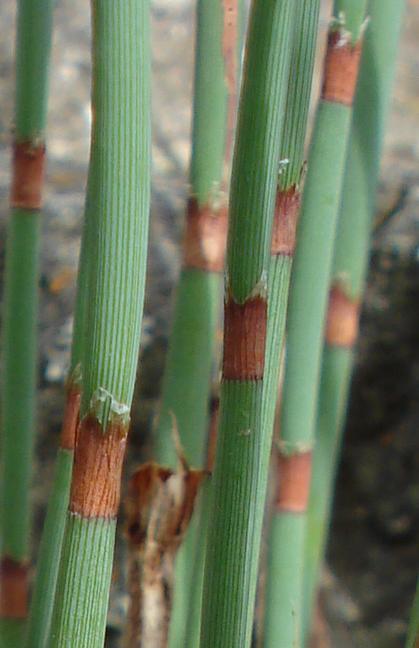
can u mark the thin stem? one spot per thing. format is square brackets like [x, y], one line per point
[33, 44]
[283, 242]
[190, 360]
[306, 311]
[348, 272]
[240, 476]
[117, 208]
[41, 608]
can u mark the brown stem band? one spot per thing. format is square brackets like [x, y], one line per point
[13, 589]
[294, 473]
[341, 69]
[71, 418]
[28, 175]
[244, 339]
[342, 318]
[98, 460]
[205, 237]
[284, 230]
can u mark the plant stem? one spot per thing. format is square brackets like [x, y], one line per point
[412, 639]
[306, 311]
[239, 481]
[33, 45]
[190, 359]
[117, 209]
[43, 596]
[349, 270]
[282, 251]
[41, 608]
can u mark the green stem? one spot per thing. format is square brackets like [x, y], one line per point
[240, 476]
[39, 621]
[413, 632]
[349, 270]
[117, 209]
[306, 312]
[282, 251]
[33, 44]
[190, 359]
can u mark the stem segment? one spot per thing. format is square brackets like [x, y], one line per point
[33, 45]
[239, 481]
[115, 236]
[306, 311]
[190, 359]
[348, 272]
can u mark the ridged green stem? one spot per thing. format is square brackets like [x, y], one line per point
[350, 265]
[240, 476]
[190, 359]
[292, 149]
[33, 45]
[20, 304]
[306, 312]
[87, 555]
[39, 621]
[193, 622]
[117, 209]
[19, 380]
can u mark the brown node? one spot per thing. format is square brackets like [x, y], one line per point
[28, 175]
[13, 589]
[342, 318]
[294, 473]
[98, 460]
[71, 418]
[205, 237]
[341, 69]
[244, 339]
[284, 230]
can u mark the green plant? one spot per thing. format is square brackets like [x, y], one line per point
[287, 209]
[240, 475]
[115, 232]
[307, 304]
[33, 44]
[349, 270]
[190, 360]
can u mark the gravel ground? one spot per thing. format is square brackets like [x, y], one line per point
[373, 554]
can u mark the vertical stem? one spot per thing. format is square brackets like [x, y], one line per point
[239, 481]
[33, 44]
[117, 208]
[282, 251]
[307, 305]
[190, 359]
[43, 595]
[348, 273]
[42, 602]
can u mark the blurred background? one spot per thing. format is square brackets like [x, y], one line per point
[373, 554]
